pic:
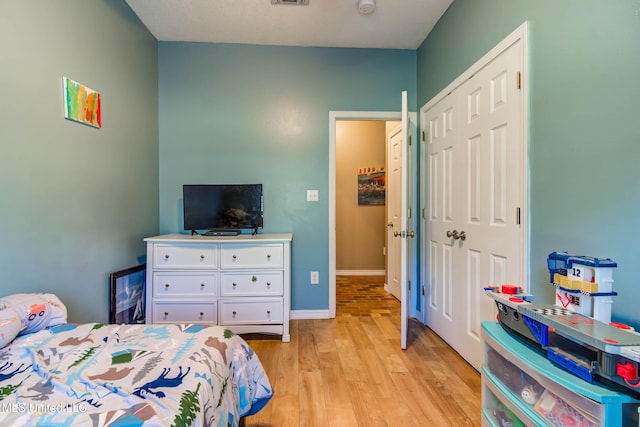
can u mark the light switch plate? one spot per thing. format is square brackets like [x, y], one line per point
[312, 195]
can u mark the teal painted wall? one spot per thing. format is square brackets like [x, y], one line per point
[76, 201]
[584, 113]
[245, 113]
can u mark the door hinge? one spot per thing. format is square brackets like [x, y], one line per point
[424, 136]
[518, 80]
[424, 213]
[409, 282]
[409, 140]
[518, 216]
[409, 213]
[423, 290]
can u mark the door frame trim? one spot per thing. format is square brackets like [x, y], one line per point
[519, 34]
[334, 116]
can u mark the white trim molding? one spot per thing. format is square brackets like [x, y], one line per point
[309, 314]
[360, 272]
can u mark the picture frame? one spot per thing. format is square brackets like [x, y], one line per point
[127, 295]
[371, 186]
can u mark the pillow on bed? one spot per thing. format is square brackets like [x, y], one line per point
[34, 311]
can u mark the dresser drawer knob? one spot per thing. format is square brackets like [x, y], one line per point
[166, 256]
[234, 257]
[268, 284]
[201, 256]
[268, 256]
[268, 311]
[233, 312]
[166, 285]
[234, 284]
[201, 313]
[166, 314]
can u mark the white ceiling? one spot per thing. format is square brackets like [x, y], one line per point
[394, 24]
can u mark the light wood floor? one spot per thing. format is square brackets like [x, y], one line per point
[350, 371]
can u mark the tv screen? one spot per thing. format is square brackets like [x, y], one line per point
[222, 207]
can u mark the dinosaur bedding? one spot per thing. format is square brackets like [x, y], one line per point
[129, 375]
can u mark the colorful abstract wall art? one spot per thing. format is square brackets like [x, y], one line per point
[81, 104]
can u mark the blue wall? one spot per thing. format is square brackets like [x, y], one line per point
[584, 123]
[76, 201]
[245, 113]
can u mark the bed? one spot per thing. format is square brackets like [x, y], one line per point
[61, 374]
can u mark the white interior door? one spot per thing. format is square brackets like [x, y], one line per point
[475, 160]
[394, 212]
[405, 234]
[444, 209]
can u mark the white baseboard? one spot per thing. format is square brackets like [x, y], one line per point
[309, 314]
[360, 272]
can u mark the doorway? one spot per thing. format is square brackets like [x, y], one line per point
[363, 198]
[336, 116]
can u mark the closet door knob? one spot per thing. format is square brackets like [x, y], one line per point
[453, 234]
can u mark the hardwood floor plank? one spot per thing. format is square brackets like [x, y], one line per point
[337, 398]
[365, 405]
[313, 411]
[326, 332]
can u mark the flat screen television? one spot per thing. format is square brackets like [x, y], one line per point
[222, 209]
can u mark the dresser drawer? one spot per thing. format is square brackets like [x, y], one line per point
[252, 256]
[246, 311]
[251, 284]
[185, 256]
[185, 312]
[184, 284]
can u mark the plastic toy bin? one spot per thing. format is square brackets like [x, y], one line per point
[520, 386]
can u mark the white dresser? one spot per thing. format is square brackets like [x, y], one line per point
[241, 282]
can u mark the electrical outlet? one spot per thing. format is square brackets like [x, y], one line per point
[315, 278]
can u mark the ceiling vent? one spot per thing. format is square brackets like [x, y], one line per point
[300, 2]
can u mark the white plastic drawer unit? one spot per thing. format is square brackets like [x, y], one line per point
[520, 383]
[263, 283]
[235, 256]
[185, 312]
[169, 284]
[187, 256]
[248, 311]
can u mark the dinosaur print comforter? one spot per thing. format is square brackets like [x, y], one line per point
[130, 375]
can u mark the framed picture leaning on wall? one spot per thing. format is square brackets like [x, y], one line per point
[126, 295]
